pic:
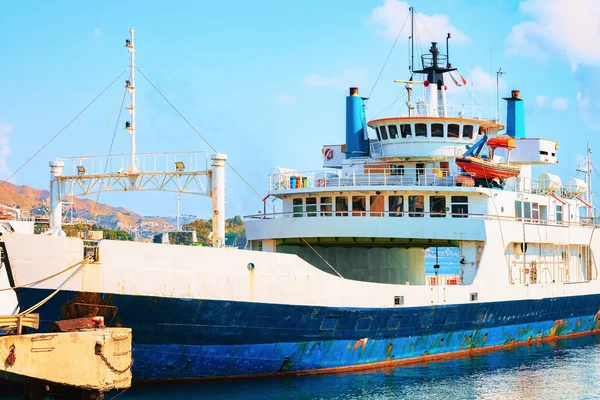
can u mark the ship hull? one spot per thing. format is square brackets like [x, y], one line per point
[193, 339]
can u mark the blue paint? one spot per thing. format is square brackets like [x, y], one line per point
[515, 117]
[187, 338]
[357, 141]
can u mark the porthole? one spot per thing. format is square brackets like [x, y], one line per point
[250, 266]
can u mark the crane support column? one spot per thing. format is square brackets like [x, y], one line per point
[56, 170]
[218, 199]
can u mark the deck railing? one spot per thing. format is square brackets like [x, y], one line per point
[415, 214]
[144, 162]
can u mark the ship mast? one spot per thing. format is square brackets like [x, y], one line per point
[588, 176]
[130, 85]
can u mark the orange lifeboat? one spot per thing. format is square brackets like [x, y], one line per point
[486, 169]
[479, 168]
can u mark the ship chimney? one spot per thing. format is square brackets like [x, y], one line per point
[515, 115]
[357, 140]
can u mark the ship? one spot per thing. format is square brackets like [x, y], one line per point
[333, 277]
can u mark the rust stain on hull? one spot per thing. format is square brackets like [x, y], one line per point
[392, 363]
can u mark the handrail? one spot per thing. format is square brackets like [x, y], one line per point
[413, 214]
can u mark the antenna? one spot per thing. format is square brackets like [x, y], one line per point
[587, 169]
[498, 76]
[412, 41]
[448, 65]
[130, 85]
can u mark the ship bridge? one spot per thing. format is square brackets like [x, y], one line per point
[427, 138]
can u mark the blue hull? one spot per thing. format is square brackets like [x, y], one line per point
[187, 338]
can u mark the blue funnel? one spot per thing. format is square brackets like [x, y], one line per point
[515, 115]
[357, 140]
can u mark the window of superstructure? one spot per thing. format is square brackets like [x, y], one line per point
[396, 170]
[383, 131]
[535, 210]
[378, 134]
[437, 206]
[468, 131]
[376, 206]
[297, 207]
[453, 130]
[518, 209]
[326, 206]
[460, 206]
[527, 209]
[359, 206]
[341, 206]
[559, 212]
[437, 130]
[393, 129]
[416, 206]
[311, 206]
[421, 130]
[405, 130]
[396, 205]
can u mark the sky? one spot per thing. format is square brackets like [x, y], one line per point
[265, 81]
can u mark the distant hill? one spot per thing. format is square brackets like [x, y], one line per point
[36, 203]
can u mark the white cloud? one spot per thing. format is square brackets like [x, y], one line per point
[285, 99]
[559, 28]
[97, 32]
[480, 80]
[350, 77]
[557, 103]
[560, 104]
[541, 101]
[392, 14]
[5, 129]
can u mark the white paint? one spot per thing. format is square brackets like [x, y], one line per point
[56, 193]
[218, 198]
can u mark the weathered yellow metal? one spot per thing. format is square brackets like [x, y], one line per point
[96, 359]
[13, 321]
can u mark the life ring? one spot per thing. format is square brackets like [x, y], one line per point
[328, 153]
[321, 182]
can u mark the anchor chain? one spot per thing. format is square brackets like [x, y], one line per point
[112, 367]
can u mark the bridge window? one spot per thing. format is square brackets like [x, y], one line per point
[383, 131]
[421, 130]
[311, 206]
[297, 207]
[416, 206]
[535, 210]
[393, 129]
[437, 130]
[527, 209]
[397, 170]
[468, 131]
[378, 134]
[341, 205]
[518, 210]
[460, 206]
[453, 130]
[326, 206]
[376, 206]
[396, 205]
[437, 206]
[358, 206]
[405, 130]
[559, 212]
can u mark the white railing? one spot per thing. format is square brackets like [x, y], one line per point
[443, 280]
[374, 176]
[458, 111]
[145, 163]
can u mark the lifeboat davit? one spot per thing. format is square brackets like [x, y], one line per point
[487, 169]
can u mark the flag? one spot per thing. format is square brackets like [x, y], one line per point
[464, 81]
